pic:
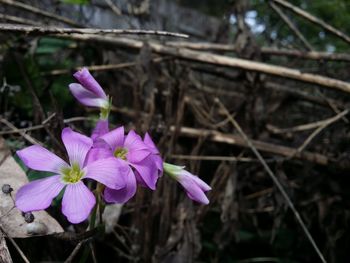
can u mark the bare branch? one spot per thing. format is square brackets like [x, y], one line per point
[313, 55]
[38, 11]
[226, 61]
[313, 19]
[232, 139]
[113, 7]
[86, 31]
[292, 27]
[274, 179]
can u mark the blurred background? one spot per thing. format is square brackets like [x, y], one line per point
[281, 69]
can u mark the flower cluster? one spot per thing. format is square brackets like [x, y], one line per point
[116, 160]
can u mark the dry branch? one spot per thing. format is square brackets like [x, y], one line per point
[262, 146]
[61, 30]
[102, 67]
[301, 94]
[221, 60]
[40, 12]
[314, 55]
[292, 27]
[322, 126]
[274, 179]
[313, 19]
[113, 7]
[309, 126]
[19, 20]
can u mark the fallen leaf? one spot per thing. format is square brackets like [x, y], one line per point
[11, 220]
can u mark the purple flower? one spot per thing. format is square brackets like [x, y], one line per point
[88, 92]
[99, 148]
[192, 184]
[137, 160]
[78, 200]
[154, 153]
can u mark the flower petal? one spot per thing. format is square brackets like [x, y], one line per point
[97, 153]
[111, 172]
[193, 190]
[77, 202]
[88, 81]
[77, 146]
[202, 185]
[114, 138]
[38, 194]
[150, 144]
[86, 97]
[123, 195]
[147, 171]
[159, 163]
[133, 141]
[139, 180]
[40, 159]
[137, 149]
[101, 128]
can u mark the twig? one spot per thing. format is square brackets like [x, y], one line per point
[75, 251]
[304, 127]
[103, 67]
[37, 30]
[73, 237]
[301, 94]
[292, 27]
[23, 134]
[40, 126]
[313, 19]
[114, 8]
[262, 146]
[204, 57]
[313, 55]
[19, 250]
[38, 11]
[274, 179]
[213, 158]
[320, 128]
[19, 20]
[13, 242]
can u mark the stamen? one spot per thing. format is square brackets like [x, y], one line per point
[121, 153]
[72, 175]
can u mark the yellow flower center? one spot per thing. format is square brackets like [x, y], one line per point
[72, 174]
[121, 153]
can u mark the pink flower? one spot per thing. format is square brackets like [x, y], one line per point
[157, 159]
[88, 92]
[78, 200]
[138, 162]
[99, 149]
[192, 184]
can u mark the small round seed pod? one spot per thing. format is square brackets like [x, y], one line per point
[28, 217]
[6, 189]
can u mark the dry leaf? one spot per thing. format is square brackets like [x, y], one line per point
[11, 219]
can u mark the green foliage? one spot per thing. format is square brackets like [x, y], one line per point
[335, 13]
[50, 45]
[76, 2]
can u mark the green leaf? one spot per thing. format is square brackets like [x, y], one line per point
[76, 2]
